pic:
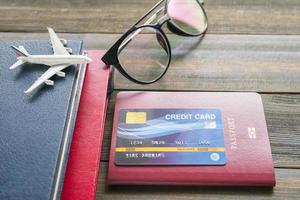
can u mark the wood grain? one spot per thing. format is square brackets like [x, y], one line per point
[232, 57]
[260, 63]
[115, 16]
[228, 62]
[288, 184]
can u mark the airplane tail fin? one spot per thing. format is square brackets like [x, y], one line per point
[21, 51]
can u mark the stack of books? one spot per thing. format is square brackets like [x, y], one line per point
[39, 159]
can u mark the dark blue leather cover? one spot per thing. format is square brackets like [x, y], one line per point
[31, 125]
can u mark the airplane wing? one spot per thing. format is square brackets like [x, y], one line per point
[48, 74]
[57, 45]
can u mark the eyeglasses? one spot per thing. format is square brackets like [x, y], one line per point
[143, 53]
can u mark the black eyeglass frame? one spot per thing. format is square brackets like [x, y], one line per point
[111, 56]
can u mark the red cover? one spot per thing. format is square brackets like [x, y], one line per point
[249, 158]
[82, 169]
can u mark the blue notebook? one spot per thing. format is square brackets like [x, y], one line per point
[36, 128]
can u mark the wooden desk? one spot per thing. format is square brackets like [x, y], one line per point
[250, 46]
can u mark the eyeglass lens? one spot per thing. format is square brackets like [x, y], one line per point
[145, 56]
[187, 15]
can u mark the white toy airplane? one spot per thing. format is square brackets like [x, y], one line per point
[57, 62]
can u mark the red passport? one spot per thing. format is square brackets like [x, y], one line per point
[246, 141]
[82, 169]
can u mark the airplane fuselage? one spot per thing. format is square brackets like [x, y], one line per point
[53, 60]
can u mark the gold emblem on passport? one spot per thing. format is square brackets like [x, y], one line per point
[136, 117]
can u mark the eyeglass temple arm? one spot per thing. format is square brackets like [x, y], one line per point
[150, 11]
[151, 19]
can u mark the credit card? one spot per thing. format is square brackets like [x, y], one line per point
[170, 137]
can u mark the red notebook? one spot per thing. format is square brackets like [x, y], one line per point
[82, 169]
[244, 159]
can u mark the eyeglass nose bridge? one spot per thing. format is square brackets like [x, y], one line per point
[173, 28]
[162, 20]
[176, 30]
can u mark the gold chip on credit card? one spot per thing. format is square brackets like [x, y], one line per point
[136, 117]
